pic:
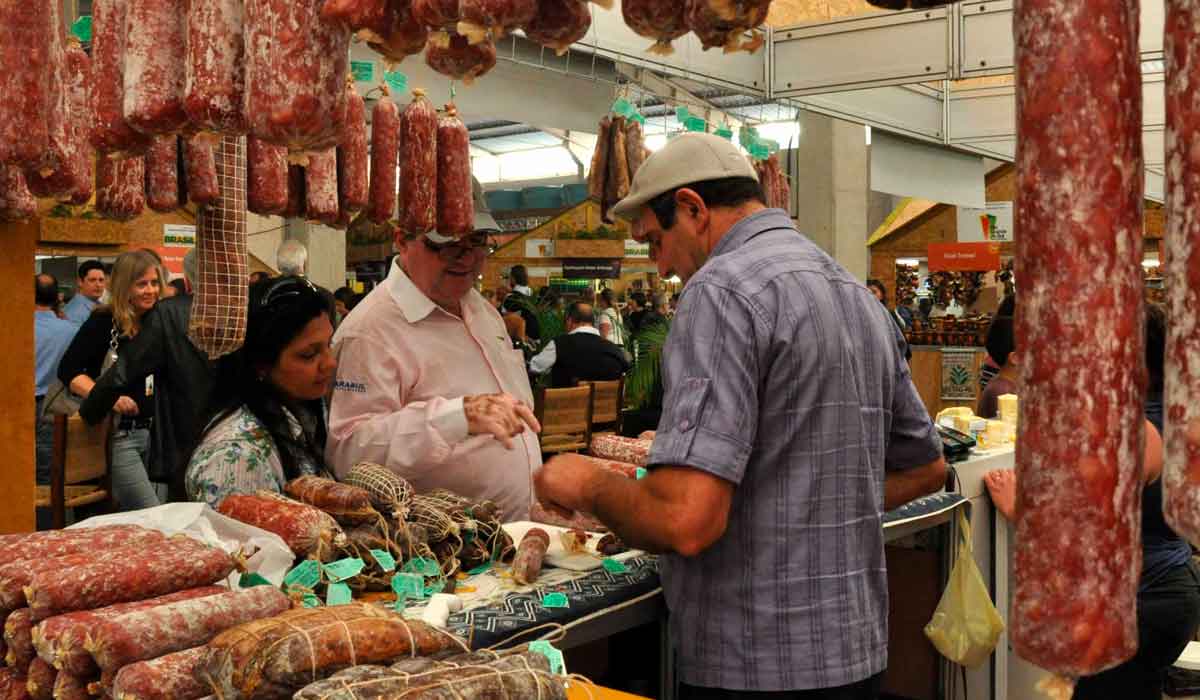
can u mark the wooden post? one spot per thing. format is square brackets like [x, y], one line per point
[18, 243]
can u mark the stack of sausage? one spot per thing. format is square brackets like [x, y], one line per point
[114, 610]
[774, 182]
[620, 151]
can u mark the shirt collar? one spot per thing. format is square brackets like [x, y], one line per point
[749, 227]
[412, 302]
[44, 312]
[523, 290]
[585, 329]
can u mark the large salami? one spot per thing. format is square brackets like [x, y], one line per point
[456, 210]
[405, 35]
[368, 19]
[48, 177]
[120, 187]
[1079, 325]
[40, 680]
[68, 171]
[296, 67]
[16, 201]
[200, 166]
[661, 20]
[353, 155]
[12, 685]
[110, 132]
[215, 81]
[155, 66]
[460, 59]
[162, 173]
[82, 167]
[320, 186]
[495, 18]
[25, 52]
[57, 543]
[418, 166]
[725, 23]
[18, 637]
[170, 677]
[385, 145]
[308, 531]
[559, 23]
[266, 177]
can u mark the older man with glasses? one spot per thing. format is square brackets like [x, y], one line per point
[427, 382]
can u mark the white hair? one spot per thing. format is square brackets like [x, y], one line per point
[291, 258]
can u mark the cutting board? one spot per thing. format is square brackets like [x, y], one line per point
[557, 556]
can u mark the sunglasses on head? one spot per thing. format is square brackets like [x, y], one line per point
[284, 289]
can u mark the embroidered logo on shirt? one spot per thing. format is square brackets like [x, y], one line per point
[356, 387]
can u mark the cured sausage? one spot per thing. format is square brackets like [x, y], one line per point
[385, 145]
[347, 504]
[296, 66]
[60, 640]
[48, 176]
[558, 24]
[598, 172]
[527, 565]
[456, 209]
[437, 14]
[71, 687]
[618, 448]
[296, 201]
[320, 186]
[170, 677]
[110, 132]
[305, 529]
[266, 177]
[583, 521]
[389, 492]
[120, 187]
[215, 79]
[12, 685]
[16, 201]
[26, 30]
[495, 17]
[152, 632]
[635, 146]
[162, 173]
[200, 166]
[353, 155]
[725, 23]
[82, 166]
[418, 166]
[1074, 613]
[616, 185]
[57, 543]
[370, 20]
[155, 66]
[655, 19]
[404, 34]
[176, 564]
[39, 680]
[461, 60]
[18, 637]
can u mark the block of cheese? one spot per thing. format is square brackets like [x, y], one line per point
[998, 432]
[1008, 408]
[963, 423]
[951, 412]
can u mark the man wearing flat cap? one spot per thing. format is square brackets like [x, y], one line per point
[790, 424]
[428, 384]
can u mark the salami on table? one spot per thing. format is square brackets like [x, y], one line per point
[1079, 472]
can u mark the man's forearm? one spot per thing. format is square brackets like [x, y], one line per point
[630, 509]
[904, 486]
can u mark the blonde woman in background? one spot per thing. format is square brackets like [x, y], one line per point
[135, 286]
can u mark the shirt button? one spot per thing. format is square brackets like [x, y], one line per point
[684, 424]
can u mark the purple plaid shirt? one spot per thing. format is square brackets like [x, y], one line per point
[786, 377]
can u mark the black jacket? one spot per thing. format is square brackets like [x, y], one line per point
[183, 381]
[586, 357]
[532, 328]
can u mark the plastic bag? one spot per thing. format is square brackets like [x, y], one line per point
[966, 625]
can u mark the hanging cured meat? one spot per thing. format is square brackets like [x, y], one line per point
[110, 132]
[385, 149]
[353, 155]
[461, 60]
[455, 207]
[558, 24]
[296, 200]
[215, 81]
[1079, 480]
[296, 66]
[369, 20]
[25, 82]
[598, 172]
[200, 166]
[266, 177]
[635, 146]
[617, 181]
[726, 22]
[49, 176]
[437, 14]
[495, 17]
[162, 174]
[661, 20]
[320, 186]
[120, 187]
[16, 202]
[155, 66]
[418, 166]
[82, 164]
[1181, 471]
[405, 35]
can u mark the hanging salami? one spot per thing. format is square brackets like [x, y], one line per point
[369, 20]
[455, 207]
[635, 146]
[162, 174]
[155, 66]
[353, 155]
[25, 82]
[461, 60]
[266, 177]
[320, 186]
[404, 36]
[110, 132]
[49, 176]
[418, 166]
[598, 171]
[296, 67]
[656, 19]
[1074, 613]
[16, 201]
[494, 18]
[618, 181]
[215, 81]
[558, 24]
[200, 166]
[82, 165]
[437, 14]
[725, 23]
[385, 145]
[120, 187]
[296, 197]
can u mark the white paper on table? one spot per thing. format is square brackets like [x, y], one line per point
[270, 557]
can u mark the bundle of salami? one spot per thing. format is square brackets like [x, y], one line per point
[620, 151]
[774, 182]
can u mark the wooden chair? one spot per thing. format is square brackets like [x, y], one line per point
[608, 398]
[566, 418]
[80, 467]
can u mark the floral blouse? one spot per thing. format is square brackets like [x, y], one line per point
[237, 456]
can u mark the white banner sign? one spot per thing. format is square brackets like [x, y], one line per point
[633, 249]
[992, 224]
[179, 235]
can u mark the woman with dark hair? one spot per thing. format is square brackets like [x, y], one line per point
[266, 421]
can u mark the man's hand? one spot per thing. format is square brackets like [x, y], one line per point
[499, 415]
[126, 406]
[564, 484]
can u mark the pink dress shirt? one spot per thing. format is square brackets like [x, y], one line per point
[404, 366]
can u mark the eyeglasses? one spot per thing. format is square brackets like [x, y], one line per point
[286, 288]
[465, 246]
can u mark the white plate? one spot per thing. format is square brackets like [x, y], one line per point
[557, 556]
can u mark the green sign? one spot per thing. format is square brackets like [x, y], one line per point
[251, 579]
[397, 81]
[386, 561]
[343, 569]
[408, 586]
[613, 566]
[555, 600]
[363, 71]
[557, 664]
[420, 565]
[82, 28]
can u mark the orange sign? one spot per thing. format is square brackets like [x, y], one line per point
[172, 257]
[964, 257]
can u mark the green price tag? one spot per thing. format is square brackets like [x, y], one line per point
[771, 146]
[306, 575]
[555, 600]
[759, 152]
[433, 588]
[343, 569]
[386, 561]
[640, 473]
[682, 114]
[622, 107]
[338, 594]
[363, 71]
[725, 133]
[408, 586]
[613, 566]
[311, 601]
[554, 656]
[250, 580]
[423, 566]
[480, 569]
[396, 80]
[82, 28]
[637, 117]
[695, 124]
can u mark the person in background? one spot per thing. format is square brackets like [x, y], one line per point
[256, 277]
[291, 259]
[636, 311]
[51, 337]
[101, 339]
[880, 293]
[608, 318]
[88, 292]
[184, 380]
[1001, 347]
[502, 292]
[1168, 599]
[580, 354]
[343, 300]
[790, 425]
[428, 383]
[519, 300]
[180, 285]
[265, 421]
